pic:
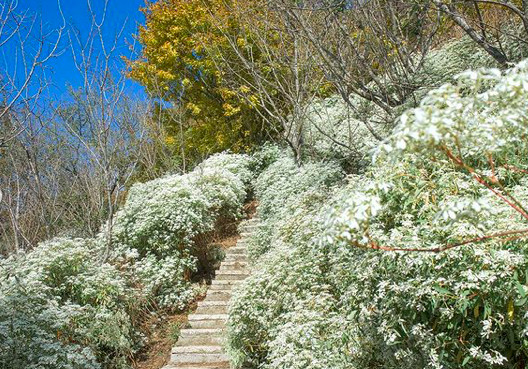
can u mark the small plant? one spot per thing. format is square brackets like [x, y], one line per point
[174, 331]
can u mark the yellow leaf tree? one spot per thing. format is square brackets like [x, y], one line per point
[176, 66]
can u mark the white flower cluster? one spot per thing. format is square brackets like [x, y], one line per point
[332, 130]
[72, 304]
[156, 229]
[59, 306]
[317, 300]
[284, 189]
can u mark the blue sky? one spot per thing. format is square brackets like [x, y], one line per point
[62, 70]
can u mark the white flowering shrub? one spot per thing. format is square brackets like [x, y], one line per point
[156, 231]
[333, 130]
[58, 294]
[72, 304]
[36, 331]
[262, 158]
[448, 189]
[238, 164]
[280, 189]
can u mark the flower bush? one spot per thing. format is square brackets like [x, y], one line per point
[60, 294]
[72, 303]
[418, 263]
[36, 331]
[280, 188]
[334, 131]
[156, 231]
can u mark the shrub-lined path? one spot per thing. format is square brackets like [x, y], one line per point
[201, 345]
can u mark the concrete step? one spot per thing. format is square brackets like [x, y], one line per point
[210, 321]
[198, 354]
[236, 250]
[229, 268]
[189, 332]
[231, 275]
[218, 285]
[187, 358]
[201, 340]
[198, 366]
[212, 307]
[201, 346]
[217, 295]
[236, 257]
[197, 349]
[234, 264]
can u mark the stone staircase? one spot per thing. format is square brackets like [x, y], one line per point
[202, 345]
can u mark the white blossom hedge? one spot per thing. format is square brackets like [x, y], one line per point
[335, 131]
[280, 188]
[157, 228]
[422, 262]
[71, 304]
[60, 308]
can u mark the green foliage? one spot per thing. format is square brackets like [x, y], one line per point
[71, 303]
[324, 297]
[175, 329]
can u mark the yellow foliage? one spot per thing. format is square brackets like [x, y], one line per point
[170, 140]
[180, 40]
[230, 110]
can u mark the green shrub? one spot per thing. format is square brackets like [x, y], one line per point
[89, 299]
[326, 296]
[71, 303]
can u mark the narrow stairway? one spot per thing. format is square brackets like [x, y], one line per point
[202, 345]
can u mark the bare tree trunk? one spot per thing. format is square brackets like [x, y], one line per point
[494, 52]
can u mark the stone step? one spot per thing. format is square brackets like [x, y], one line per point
[187, 358]
[212, 303]
[189, 332]
[197, 349]
[201, 346]
[234, 264]
[218, 285]
[201, 340]
[231, 275]
[198, 366]
[229, 268]
[198, 355]
[212, 307]
[236, 250]
[218, 295]
[232, 258]
[211, 321]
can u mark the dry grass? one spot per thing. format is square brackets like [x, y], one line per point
[161, 340]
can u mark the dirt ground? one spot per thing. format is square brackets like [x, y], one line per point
[157, 353]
